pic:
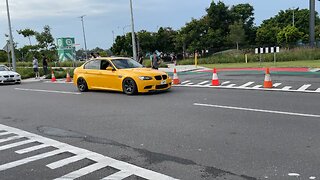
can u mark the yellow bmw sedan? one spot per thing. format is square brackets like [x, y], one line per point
[119, 74]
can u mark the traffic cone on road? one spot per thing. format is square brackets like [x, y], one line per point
[175, 77]
[53, 78]
[267, 79]
[68, 79]
[215, 79]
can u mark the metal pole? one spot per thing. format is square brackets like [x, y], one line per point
[113, 36]
[11, 40]
[312, 22]
[134, 48]
[84, 37]
[8, 51]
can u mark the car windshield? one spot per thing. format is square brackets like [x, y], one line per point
[126, 63]
[4, 68]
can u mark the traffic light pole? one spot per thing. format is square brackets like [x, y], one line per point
[11, 40]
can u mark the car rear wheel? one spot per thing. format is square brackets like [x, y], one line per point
[129, 86]
[82, 85]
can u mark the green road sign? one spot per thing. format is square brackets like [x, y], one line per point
[66, 49]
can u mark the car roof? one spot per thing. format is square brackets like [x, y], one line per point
[111, 58]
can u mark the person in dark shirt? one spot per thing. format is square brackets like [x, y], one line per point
[45, 65]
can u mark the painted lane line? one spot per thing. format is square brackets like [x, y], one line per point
[66, 161]
[246, 84]
[226, 82]
[47, 91]
[118, 175]
[276, 84]
[30, 159]
[5, 133]
[202, 83]
[207, 85]
[33, 148]
[294, 174]
[318, 90]
[231, 85]
[62, 147]
[83, 171]
[312, 177]
[8, 146]
[304, 87]
[257, 86]
[287, 88]
[10, 138]
[258, 110]
[185, 82]
[189, 84]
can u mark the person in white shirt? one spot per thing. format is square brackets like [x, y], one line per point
[35, 66]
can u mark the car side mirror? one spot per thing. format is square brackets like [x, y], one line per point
[109, 68]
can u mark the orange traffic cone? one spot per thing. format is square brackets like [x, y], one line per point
[175, 77]
[53, 78]
[215, 79]
[68, 77]
[267, 80]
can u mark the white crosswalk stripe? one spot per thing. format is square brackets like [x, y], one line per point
[101, 161]
[286, 88]
[202, 83]
[246, 84]
[226, 82]
[231, 85]
[276, 84]
[304, 87]
[318, 90]
[185, 82]
[257, 86]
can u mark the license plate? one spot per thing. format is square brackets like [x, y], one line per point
[164, 82]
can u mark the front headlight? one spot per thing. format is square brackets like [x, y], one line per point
[145, 77]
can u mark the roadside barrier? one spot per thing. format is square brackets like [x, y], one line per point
[175, 77]
[68, 79]
[215, 79]
[267, 79]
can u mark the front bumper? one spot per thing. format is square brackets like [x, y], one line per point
[14, 80]
[154, 85]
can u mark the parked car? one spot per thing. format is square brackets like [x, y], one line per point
[119, 74]
[7, 76]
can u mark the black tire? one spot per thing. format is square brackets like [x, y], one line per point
[129, 86]
[82, 85]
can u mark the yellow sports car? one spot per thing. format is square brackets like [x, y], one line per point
[119, 74]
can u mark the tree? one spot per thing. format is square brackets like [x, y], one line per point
[45, 39]
[237, 34]
[27, 33]
[267, 34]
[289, 35]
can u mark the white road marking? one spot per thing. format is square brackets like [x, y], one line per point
[66, 161]
[294, 174]
[118, 175]
[48, 91]
[286, 88]
[101, 161]
[185, 82]
[246, 84]
[202, 83]
[276, 84]
[312, 177]
[30, 159]
[190, 83]
[226, 82]
[318, 90]
[33, 148]
[257, 86]
[304, 87]
[5, 133]
[10, 138]
[8, 146]
[258, 110]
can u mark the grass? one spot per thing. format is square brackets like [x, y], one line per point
[307, 64]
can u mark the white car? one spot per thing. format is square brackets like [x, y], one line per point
[8, 76]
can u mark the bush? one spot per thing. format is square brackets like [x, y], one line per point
[147, 63]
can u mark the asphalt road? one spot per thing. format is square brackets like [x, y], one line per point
[185, 133]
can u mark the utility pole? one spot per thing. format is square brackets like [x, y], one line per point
[11, 39]
[84, 37]
[312, 23]
[134, 48]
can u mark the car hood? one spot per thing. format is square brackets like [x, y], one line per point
[143, 71]
[3, 73]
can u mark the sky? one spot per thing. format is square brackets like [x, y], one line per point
[106, 19]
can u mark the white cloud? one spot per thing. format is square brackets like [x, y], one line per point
[28, 9]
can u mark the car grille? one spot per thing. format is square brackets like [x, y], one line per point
[163, 77]
[7, 76]
[162, 86]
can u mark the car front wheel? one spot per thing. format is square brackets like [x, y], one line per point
[82, 85]
[129, 86]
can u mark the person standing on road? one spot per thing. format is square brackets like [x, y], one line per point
[155, 61]
[45, 65]
[35, 66]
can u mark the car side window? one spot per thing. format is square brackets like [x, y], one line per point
[95, 64]
[104, 64]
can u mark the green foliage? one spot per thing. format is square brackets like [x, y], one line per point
[27, 33]
[237, 34]
[3, 56]
[45, 39]
[289, 35]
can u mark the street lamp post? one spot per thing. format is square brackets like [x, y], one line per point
[11, 39]
[84, 37]
[134, 48]
[312, 22]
